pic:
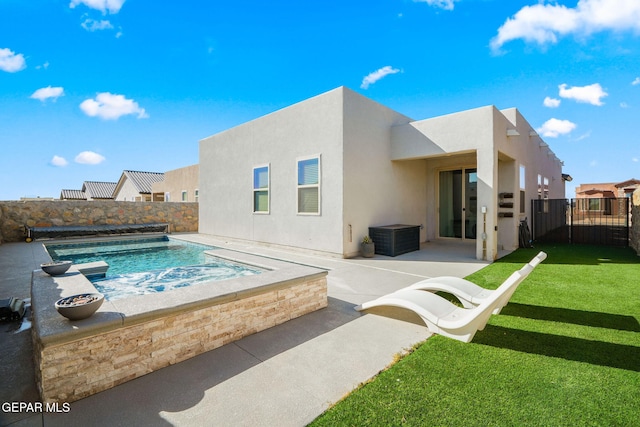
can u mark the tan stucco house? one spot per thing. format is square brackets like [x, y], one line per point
[607, 189]
[179, 185]
[316, 175]
[595, 198]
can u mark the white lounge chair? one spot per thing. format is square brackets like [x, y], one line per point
[468, 293]
[445, 318]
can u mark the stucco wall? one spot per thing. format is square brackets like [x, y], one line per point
[635, 221]
[378, 167]
[377, 191]
[312, 127]
[178, 180]
[479, 138]
[14, 215]
[128, 192]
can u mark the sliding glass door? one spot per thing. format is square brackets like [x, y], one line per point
[458, 203]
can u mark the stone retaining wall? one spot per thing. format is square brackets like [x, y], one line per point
[634, 239]
[14, 215]
[76, 369]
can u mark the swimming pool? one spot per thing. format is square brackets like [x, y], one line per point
[131, 337]
[143, 266]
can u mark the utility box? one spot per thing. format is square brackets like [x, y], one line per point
[397, 239]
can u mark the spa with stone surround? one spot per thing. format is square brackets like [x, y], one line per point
[131, 337]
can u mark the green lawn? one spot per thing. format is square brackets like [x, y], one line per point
[564, 352]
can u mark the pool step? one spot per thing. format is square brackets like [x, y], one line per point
[93, 269]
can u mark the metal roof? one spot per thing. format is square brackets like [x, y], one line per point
[73, 195]
[99, 190]
[144, 180]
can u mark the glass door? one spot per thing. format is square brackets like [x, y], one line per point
[470, 208]
[458, 203]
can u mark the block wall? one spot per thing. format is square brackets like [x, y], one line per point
[14, 216]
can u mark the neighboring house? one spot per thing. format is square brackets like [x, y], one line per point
[91, 190]
[72, 195]
[607, 189]
[96, 190]
[318, 174]
[179, 185]
[135, 186]
[594, 198]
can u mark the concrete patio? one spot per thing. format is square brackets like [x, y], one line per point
[285, 376]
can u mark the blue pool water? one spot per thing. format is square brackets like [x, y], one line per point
[144, 266]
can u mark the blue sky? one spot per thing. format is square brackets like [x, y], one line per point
[89, 88]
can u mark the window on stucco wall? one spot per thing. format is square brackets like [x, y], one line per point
[261, 189]
[523, 184]
[309, 186]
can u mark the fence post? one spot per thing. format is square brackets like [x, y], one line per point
[571, 202]
[626, 223]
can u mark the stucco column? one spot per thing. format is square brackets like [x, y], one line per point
[487, 241]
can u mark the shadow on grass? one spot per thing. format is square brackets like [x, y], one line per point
[576, 317]
[580, 350]
[575, 254]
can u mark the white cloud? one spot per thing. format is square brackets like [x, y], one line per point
[110, 107]
[111, 6]
[442, 4]
[553, 128]
[635, 159]
[93, 25]
[544, 23]
[89, 158]
[551, 102]
[636, 82]
[10, 61]
[591, 94]
[377, 75]
[45, 66]
[47, 92]
[59, 161]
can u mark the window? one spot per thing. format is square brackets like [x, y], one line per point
[594, 205]
[539, 186]
[523, 187]
[184, 196]
[309, 186]
[167, 197]
[545, 190]
[196, 194]
[261, 189]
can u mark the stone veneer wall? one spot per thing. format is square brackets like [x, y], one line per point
[77, 369]
[14, 215]
[634, 239]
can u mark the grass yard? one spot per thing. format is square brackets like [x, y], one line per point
[564, 352]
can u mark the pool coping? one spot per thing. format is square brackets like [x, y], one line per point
[51, 328]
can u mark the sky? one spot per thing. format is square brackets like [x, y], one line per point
[89, 88]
